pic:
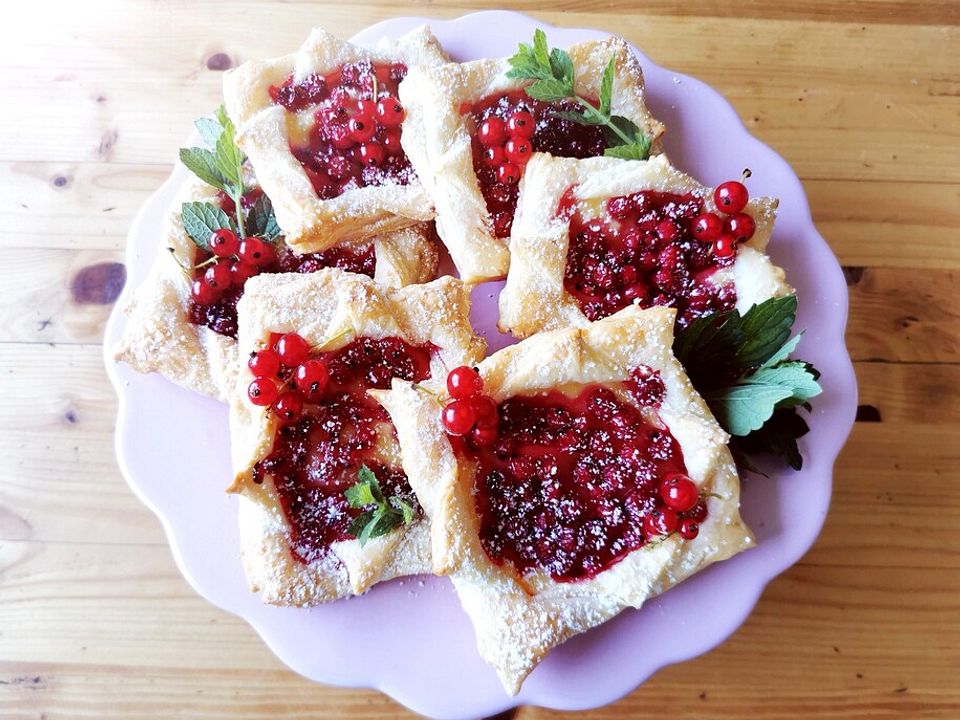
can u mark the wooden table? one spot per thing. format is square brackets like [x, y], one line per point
[862, 98]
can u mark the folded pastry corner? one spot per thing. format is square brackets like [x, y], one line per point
[593, 478]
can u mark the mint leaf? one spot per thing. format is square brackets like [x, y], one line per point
[359, 495]
[766, 327]
[635, 151]
[778, 436]
[404, 507]
[203, 164]
[606, 86]
[381, 515]
[581, 118]
[541, 54]
[359, 523]
[261, 220]
[782, 354]
[549, 90]
[209, 130]
[562, 67]
[744, 408]
[229, 161]
[202, 219]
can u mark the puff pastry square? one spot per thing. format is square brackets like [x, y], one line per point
[545, 539]
[295, 542]
[564, 206]
[444, 106]
[162, 336]
[285, 110]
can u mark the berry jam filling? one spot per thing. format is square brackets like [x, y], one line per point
[219, 275]
[344, 127]
[652, 248]
[509, 129]
[576, 481]
[329, 428]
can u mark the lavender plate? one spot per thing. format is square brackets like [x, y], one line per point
[173, 449]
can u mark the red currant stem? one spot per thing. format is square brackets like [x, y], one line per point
[713, 495]
[208, 261]
[374, 87]
[185, 269]
[745, 174]
[431, 393]
[609, 123]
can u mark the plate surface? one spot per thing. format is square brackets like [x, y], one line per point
[172, 447]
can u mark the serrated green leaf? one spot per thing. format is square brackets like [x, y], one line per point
[606, 85]
[366, 532]
[628, 152]
[575, 116]
[388, 521]
[229, 161]
[210, 131]
[548, 90]
[784, 352]
[741, 409]
[262, 221]
[225, 122]
[794, 376]
[541, 53]
[778, 436]
[766, 327]
[203, 164]
[202, 219]
[359, 523]
[405, 508]
[562, 67]
[359, 495]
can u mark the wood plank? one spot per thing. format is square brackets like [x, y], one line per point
[910, 394]
[904, 315]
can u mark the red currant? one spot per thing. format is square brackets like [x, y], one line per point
[459, 417]
[367, 110]
[202, 293]
[483, 435]
[312, 378]
[706, 227]
[264, 363]
[262, 391]
[292, 349]
[731, 197]
[494, 156]
[391, 142]
[740, 227]
[361, 130]
[508, 174]
[667, 230]
[492, 131]
[371, 154]
[699, 511]
[252, 250]
[218, 275]
[389, 112]
[487, 415]
[521, 124]
[661, 521]
[518, 150]
[269, 256]
[679, 492]
[724, 246]
[289, 407]
[240, 272]
[223, 242]
[689, 528]
[464, 382]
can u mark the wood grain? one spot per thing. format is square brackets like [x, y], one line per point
[861, 97]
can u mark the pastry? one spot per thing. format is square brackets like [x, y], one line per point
[325, 149]
[579, 474]
[303, 429]
[593, 236]
[193, 343]
[479, 127]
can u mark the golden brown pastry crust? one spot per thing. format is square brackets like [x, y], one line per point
[433, 97]
[534, 298]
[516, 629]
[312, 224]
[159, 337]
[321, 306]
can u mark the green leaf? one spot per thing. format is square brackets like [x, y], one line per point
[201, 219]
[229, 162]
[629, 152]
[794, 376]
[742, 409]
[388, 520]
[562, 67]
[359, 495]
[359, 523]
[549, 90]
[225, 122]
[784, 352]
[778, 436]
[367, 531]
[210, 131]
[203, 164]
[404, 507]
[541, 54]
[606, 85]
[261, 220]
[766, 327]
[579, 117]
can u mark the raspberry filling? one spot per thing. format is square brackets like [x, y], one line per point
[317, 456]
[643, 249]
[220, 313]
[510, 128]
[571, 485]
[344, 127]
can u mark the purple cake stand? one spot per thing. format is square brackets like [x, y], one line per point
[409, 638]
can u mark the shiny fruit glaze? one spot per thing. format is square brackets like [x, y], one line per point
[352, 137]
[218, 309]
[499, 156]
[568, 486]
[317, 454]
[644, 248]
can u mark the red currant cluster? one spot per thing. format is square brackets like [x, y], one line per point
[730, 198]
[369, 129]
[236, 260]
[679, 509]
[285, 377]
[469, 412]
[508, 144]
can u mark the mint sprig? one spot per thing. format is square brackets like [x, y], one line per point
[741, 367]
[380, 515]
[553, 77]
[202, 219]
